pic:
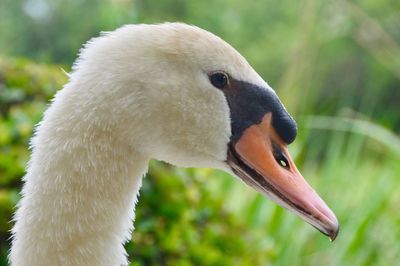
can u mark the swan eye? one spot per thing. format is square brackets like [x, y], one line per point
[219, 79]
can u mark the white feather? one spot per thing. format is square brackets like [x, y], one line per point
[136, 93]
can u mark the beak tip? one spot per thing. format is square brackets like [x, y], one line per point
[330, 224]
[334, 233]
[330, 228]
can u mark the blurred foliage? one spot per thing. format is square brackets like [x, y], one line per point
[25, 88]
[204, 234]
[335, 65]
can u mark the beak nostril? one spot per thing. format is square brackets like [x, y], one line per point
[283, 163]
[280, 157]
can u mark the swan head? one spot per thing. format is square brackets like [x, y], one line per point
[180, 94]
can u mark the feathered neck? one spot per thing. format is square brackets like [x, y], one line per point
[80, 190]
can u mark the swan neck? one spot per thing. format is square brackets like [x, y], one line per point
[78, 200]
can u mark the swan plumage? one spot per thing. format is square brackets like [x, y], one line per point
[142, 92]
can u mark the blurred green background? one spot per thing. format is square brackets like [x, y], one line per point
[334, 64]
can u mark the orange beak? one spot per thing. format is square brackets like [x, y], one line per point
[261, 159]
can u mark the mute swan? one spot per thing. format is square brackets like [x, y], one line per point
[172, 92]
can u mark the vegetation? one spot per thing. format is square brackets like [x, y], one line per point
[335, 65]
